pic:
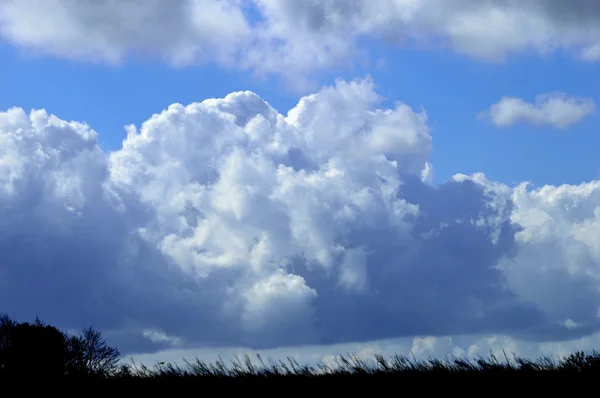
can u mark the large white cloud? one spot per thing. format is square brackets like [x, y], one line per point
[225, 222]
[297, 38]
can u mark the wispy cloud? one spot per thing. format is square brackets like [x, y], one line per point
[553, 109]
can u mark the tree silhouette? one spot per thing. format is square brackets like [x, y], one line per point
[37, 349]
[89, 353]
[31, 348]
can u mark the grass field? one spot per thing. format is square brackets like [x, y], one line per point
[350, 368]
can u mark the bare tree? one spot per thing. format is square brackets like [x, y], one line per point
[92, 355]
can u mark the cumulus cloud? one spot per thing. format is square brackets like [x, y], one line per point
[553, 109]
[297, 38]
[227, 223]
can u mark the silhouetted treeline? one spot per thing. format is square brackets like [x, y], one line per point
[39, 350]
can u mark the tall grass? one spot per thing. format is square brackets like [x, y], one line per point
[351, 366]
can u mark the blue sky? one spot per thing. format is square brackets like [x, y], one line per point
[228, 223]
[451, 88]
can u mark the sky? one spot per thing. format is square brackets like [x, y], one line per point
[199, 177]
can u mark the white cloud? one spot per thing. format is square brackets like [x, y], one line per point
[488, 30]
[297, 38]
[226, 223]
[182, 31]
[158, 336]
[554, 109]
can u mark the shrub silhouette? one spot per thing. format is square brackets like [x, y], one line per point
[31, 348]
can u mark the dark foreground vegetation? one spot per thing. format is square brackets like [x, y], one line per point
[39, 351]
